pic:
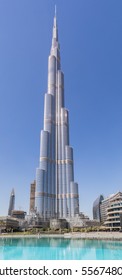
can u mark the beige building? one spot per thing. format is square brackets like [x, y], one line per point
[19, 214]
[8, 224]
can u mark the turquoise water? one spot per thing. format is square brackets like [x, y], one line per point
[59, 249]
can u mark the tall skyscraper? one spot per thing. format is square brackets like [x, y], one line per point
[56, 192]
[11, 202]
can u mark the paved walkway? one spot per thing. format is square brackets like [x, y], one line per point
[96, 235]
[83, 235]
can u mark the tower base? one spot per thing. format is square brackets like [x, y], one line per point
[58, 224]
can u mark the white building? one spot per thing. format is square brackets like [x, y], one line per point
[114, 212]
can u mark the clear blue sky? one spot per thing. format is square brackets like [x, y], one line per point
[90, 35]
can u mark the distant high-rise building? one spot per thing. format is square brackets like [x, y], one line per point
[56, 191]
[11, 202]
[32, 197]
[96, 208]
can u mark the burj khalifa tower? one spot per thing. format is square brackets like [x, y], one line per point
[56, 193]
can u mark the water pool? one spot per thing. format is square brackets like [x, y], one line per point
[59, 249]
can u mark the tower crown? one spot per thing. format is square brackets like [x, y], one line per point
[55, 43]
[12, 192]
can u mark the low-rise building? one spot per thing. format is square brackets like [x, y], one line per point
[8, 224]
[19, 214]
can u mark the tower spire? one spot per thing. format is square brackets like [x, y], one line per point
[55, 11]
[55, 47]
[55, 29]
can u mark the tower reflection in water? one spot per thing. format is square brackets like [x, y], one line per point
[48, 248]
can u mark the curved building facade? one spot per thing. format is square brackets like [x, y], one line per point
[56, 193]
[114, 212]
[96, 208]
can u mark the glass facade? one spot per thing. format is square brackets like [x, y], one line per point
[11, 203]
[96, 208]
